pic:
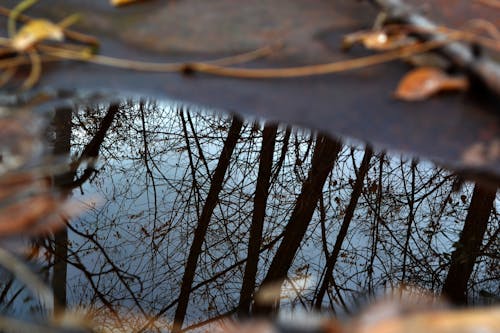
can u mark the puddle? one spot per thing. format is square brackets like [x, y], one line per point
[191, 215]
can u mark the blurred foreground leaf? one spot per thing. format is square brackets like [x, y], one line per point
[424, 82]
[36, 31]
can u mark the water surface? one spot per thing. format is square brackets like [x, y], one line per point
[192, 215]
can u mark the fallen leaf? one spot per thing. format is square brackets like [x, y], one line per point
[378, 40]
[423, 82]
[118, 3]
[34, 32]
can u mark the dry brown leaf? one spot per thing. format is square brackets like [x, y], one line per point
[34, 32]
[423, 82]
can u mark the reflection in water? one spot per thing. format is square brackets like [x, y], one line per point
[194, 216]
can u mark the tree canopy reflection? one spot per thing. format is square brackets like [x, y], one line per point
[196, 216]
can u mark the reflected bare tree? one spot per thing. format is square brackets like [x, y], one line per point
[467, 249]
[206, 214]
[259, 212]
[198, 209]
[62, 147]
[324, 157]
[353, 202]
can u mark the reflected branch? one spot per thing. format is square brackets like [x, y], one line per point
[119, 272]
[198, 145]
[258, 216]
[324, 156]
[411, 216]
[195, 186]
[353, 202]
[201, 229]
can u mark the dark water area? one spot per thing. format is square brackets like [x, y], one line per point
[189, 215]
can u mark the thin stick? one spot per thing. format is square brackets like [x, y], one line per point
[248, 73]
[254, 73]
[12, 62]
[21, 60]
[21, 7]
[149, 66]
[36, 70]
[321, 69]
[70, 20]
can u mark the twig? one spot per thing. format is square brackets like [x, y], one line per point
[215, 67]
[65, 53]
[21, 7]
[36, 70]
[321, 69]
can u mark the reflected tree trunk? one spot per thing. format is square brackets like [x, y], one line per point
[195, 186]
[198, 145]
[284, 151]
[91, 150]
[467, 248]
[349, 213]
[324, 156]
[62, 146]
[206, 214]
[376, 221]
[411, 217]
[259, 213]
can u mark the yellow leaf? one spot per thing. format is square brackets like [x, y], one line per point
[423, 82]
[34, 32]
[117, 3]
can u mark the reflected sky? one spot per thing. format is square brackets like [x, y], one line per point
[191, 216]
